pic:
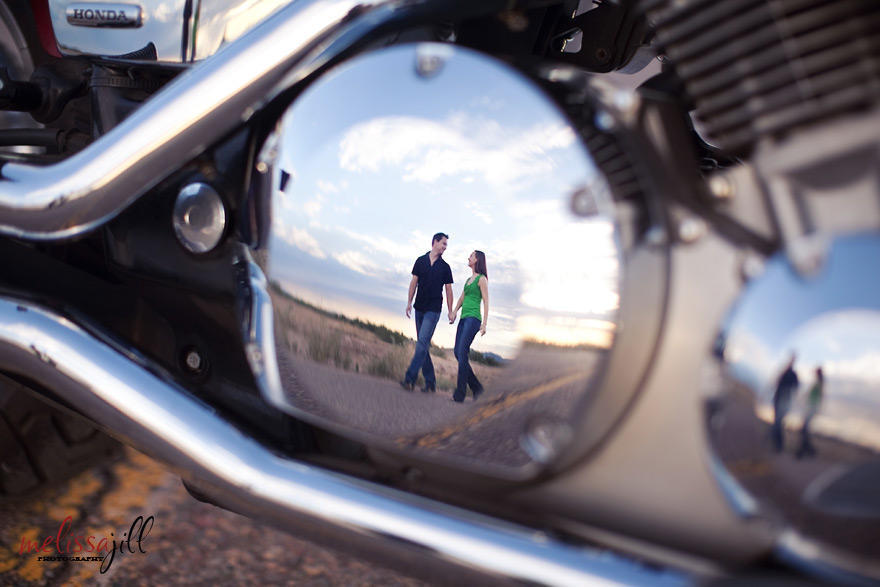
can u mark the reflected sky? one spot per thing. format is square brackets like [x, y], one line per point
[832, 321]
[369, 176]
[162, 25]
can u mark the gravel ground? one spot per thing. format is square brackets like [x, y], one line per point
[189, 542]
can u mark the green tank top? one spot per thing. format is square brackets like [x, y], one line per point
[470, 307]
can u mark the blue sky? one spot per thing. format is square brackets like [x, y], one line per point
[830, 320]
[471, 152]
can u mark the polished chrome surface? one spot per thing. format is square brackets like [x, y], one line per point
[370, 162]
[222, 22]
[199, 217]
[208, 25]
[104, 14]
[794, 404]
[89, 188]
[164, 421]
[161, 23]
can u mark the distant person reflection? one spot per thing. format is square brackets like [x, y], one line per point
[786, 387]
[814, 400]
[430, 275]
[476, 289]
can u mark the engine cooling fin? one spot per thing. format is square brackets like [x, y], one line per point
[759, 68]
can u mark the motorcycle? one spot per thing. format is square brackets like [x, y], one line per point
[209, 212]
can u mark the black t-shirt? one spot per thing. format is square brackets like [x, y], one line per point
[432, 278]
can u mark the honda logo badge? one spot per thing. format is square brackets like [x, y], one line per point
[96, 14]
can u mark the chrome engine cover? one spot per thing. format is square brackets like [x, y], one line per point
[181, 31]
[364, 167]
[805, 450]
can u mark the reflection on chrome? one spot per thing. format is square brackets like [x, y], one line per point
[796, 417]
[359, 189]
[181, 31]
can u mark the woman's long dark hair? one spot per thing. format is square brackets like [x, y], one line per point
[480, 265]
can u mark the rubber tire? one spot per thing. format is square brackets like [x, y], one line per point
[41, 445]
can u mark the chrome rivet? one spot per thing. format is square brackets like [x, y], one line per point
[604, 121]
[199, 217]
[545, 437]
[583, 203]
[752, 267]
[193, 360]
[656, 236]
[721, 187]
[431, 57]
[691, 230]
[807, 254]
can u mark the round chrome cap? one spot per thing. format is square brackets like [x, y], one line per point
[199, 217]
[366, 166]
[794, 412]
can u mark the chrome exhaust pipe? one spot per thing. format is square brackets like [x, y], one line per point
[89, 188]
[124, 394]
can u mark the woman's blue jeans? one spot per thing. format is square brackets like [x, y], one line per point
[464, 336]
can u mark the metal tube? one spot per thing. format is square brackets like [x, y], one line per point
[166, 422]
[83, 191]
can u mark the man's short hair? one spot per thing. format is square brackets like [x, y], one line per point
[439, 236]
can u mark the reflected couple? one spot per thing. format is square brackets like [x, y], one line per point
[431, 276]
[786, 387]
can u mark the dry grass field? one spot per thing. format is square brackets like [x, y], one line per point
[357, 346]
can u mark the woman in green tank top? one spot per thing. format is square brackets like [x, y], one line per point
[476, 290]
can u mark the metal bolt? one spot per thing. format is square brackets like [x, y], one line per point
[516, 21]
[721, 187]
[193, 360]
[752, 267]
[431, 57]
[545, 437]
[691, 230]
[199, 217]
[604, 121]
[656, 236]
[583, 203]
[808, 253]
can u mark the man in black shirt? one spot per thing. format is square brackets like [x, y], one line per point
[786, 387]
[430, 275]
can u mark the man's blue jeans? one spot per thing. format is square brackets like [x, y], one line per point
[467, 330]
[426, 322]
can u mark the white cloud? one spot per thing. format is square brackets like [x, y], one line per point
[357, 261]
[298, 238]
[462, 145]
[478, 211]
[864, 367]
[327, 187]
[313, 207]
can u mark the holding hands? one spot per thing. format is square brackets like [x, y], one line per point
[452, 316]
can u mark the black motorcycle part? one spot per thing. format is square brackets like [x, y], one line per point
[611, 32]
[60, 83]
[18, 96]
[118, 89]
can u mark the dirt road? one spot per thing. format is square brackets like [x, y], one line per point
[186, 542]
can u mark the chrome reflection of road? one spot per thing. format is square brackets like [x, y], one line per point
[542, 383]
[492, 408]
[345, 372]
[797, 486]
